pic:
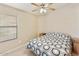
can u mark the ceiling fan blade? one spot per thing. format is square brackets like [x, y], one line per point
[46, 5]
[35, 4]
[35, 10]
[53, 9]
[50, 4]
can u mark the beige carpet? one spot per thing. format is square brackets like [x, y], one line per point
[20, 52]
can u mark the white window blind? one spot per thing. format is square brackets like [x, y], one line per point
[8, 27]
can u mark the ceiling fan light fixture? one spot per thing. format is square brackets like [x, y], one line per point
[43, 10]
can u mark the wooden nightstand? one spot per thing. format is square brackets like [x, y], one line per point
[76, 45]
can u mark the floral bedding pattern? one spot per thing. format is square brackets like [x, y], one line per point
[51, 44]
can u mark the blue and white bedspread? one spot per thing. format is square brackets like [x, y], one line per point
[51, 44]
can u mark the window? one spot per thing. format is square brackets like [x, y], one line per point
[8, 27]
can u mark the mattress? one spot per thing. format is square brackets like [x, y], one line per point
[51, 44]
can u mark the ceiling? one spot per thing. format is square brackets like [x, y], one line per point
[28, 7]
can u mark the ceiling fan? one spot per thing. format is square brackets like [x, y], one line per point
[43, 7]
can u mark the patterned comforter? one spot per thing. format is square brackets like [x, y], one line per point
[51, 44]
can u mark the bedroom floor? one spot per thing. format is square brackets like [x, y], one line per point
[20, 52]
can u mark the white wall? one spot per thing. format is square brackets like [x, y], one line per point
[63, 20]
[26, 28]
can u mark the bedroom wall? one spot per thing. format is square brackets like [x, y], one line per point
[26, 28]
[65, 20]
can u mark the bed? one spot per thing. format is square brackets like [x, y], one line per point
[51, 44]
